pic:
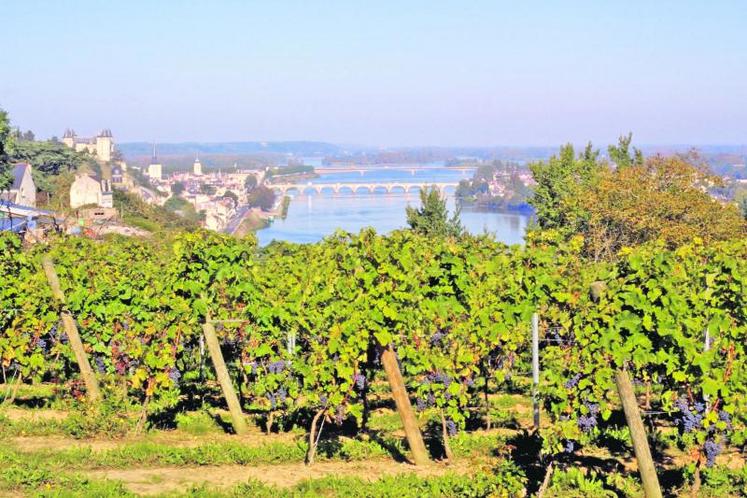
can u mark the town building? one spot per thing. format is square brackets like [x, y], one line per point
[117, 175]
[155, 170]
[102, 145]
[89, 191]
[23, 189]
[197, 167]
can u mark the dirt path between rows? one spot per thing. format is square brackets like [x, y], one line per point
[151, 481]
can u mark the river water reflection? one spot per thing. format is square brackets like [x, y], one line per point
[312, 216]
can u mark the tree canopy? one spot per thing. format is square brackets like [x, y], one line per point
[178, 188]
[636, 201]
[250, 183]
[562, 184]
[5, 143]
[261, 197]
[432, 217]
[662, 198]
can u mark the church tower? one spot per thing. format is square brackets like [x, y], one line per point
[155, 171]
[197, 166]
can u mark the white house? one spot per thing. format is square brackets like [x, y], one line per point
[87, 190]
[23, 189]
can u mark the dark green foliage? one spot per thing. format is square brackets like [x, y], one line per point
[621, 154]
[49, 157]
[299, 169]
[561, 183]
[250, 183]
[5, 144]
[432, 218]
[231, 195]
[262, 197]
[177, 188]
[138, 213]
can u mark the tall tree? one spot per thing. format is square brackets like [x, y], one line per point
[177, 188]
[622, 156]
[250, 183]
[261, 197]
[5, 146]
[432, 217]
[561, 185]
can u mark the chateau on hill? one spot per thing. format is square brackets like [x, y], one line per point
[102, 145]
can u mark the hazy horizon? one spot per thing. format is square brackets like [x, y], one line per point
[434, 74]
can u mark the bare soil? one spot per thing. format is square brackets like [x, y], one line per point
[35, 415]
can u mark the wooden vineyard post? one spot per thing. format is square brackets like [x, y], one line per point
[237, 416]
[535, 370]
[92, 386]
[638, 435]
[404, 407]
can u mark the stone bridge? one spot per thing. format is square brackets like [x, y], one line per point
[374, 187]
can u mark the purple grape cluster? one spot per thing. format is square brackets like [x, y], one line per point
[323, 399]
[561, 340]
[573, 381]
[175, 375]
[42, 344]
[100, 365]
[712, 450]
[439, 378]
[725, 417]
[437, 338]
[690, 420]
[340, 415]
[451, 427]
[569, 446]
[360, 381]
[276, 367]
[423, 403]
[588, 422]
[593, 408]
[277, 397]
[273, 399]
[123, 364]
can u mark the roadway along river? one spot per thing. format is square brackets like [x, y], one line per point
[313, 216]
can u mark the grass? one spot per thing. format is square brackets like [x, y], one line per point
[506, 483]
[197, 423]
[59, 472]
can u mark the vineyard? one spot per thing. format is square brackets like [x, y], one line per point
[364, 352]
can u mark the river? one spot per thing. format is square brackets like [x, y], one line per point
[312, 216]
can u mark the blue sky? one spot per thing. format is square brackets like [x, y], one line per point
[379, 73]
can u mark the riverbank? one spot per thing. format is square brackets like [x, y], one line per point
[494, 205]
[253, 221]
